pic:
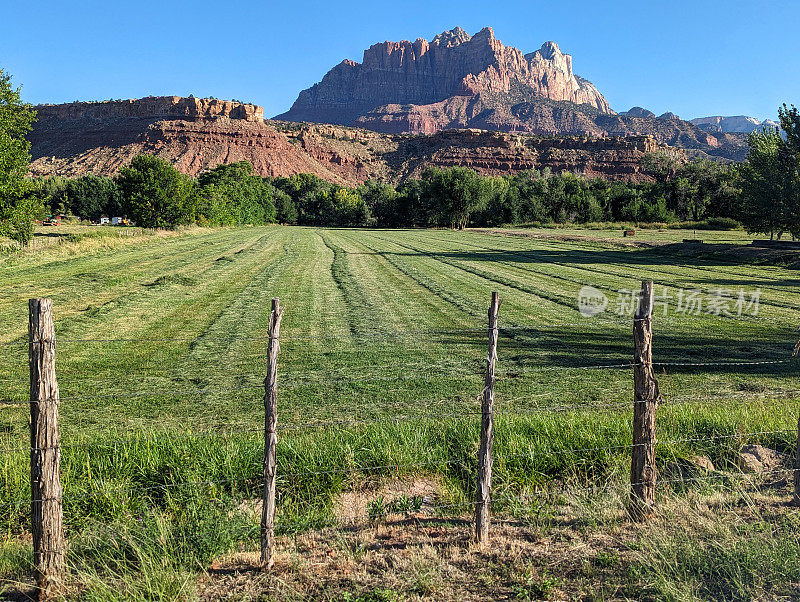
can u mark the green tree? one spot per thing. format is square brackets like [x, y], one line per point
[382, 202]
[457, 192]
[502, 206]
[416, 208]
[716, 185]
[310, 195]
[213, 208]
[91, 197]
[579, 204]
[790, 124]
[285, 209]
[52, 190]
[19, 206]
[232, 194]
[661, 166]
[790, 159]
[155, 194]
[528, 191]
[349, 208]
[766, 183]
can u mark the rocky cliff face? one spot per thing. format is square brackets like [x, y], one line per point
[150, 108]
[452, 64]
[499, 153]
[196, 135]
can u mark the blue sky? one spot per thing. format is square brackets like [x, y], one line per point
[693, 58]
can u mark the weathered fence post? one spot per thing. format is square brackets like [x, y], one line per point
[796, 500]
[484, 486]
[270, 438]
[646, 398]
[49, 546]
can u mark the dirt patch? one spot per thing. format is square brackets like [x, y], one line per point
[419, 496]
[410, 560]
[582, 550]
[414, 497]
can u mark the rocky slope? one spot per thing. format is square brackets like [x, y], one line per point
[195, 134]
[198, 134]
[462, 81]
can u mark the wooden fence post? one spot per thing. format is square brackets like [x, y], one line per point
[796, 500]
[646, 398]
[270, 438]
[49, 546]
[484, 486]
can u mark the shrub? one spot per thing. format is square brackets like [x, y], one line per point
[722, 223]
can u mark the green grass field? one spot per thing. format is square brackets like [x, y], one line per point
[161, 360]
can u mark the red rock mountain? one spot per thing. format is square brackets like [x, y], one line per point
[453, 64]
[462, 81]
[198, 134]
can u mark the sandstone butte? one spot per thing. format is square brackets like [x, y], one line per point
[197, 134]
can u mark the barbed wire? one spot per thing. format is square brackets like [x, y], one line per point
[139, 436]
[632, 446]
[591, 321]
[664, 402]
[428, 367]
[200, 339]
[254, 479]
[722, 363]
[142, 437]
[715, 475]
[399, 466]
[282, 384]
[513, 371]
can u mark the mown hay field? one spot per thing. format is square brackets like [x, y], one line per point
[161, 359]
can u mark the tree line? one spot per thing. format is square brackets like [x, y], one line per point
[763, 192]
[154, 194]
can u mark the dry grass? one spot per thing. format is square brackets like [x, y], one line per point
[583, 548]
[587, 550]
[56, 242]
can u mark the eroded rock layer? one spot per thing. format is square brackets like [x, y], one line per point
[79, 138]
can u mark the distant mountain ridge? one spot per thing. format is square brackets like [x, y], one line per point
[737, 124]
[461, 81]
